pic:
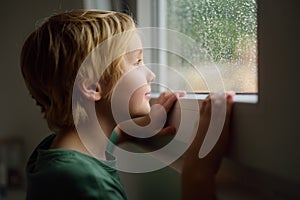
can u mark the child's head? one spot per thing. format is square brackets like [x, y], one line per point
[54, 52]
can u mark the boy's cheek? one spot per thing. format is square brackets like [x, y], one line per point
[138, 104]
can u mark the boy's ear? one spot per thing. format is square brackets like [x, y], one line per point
[91, 91]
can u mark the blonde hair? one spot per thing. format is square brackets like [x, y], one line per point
[52, 55]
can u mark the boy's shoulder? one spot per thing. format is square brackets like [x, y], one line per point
[66, 163]
[70, 172]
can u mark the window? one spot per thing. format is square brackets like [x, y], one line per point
[225, 31]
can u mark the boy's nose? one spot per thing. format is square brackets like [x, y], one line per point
[149, 75]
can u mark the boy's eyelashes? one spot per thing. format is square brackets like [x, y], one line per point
[138, 62]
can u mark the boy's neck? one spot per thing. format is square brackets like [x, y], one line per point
[69, 139]
[105, 116]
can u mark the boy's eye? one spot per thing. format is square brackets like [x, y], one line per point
[138, 62]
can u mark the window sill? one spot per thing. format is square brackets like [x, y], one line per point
[239, 97]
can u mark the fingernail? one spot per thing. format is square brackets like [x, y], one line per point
[230, 94]
[181, 93]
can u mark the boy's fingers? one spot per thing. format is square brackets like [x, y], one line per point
[166, 99]
[180, 93]
[162, 97]
[205, 106]
[170, 102]
[205, 117]
[171, 98]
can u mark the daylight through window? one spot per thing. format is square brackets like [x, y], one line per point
[227, 32]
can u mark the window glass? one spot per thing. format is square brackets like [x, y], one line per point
[226, 30]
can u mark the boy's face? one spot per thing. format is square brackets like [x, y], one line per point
[131, 95]
[138, 76]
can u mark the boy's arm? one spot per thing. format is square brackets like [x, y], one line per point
[198, 175]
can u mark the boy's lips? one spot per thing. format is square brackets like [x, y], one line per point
[148, 95]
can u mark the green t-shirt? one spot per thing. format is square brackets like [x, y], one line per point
[66, 174]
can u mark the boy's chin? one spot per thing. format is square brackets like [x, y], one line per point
[140, 114]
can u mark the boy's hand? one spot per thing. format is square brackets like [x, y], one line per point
[166, 99]
[198, 174]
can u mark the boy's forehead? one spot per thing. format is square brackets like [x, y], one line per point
[134, 54]
[135, 44]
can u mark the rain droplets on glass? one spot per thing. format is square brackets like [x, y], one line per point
[227, 32]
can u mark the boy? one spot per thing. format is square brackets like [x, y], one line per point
[62, 166]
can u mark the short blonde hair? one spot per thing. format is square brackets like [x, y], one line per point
[53, 53]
